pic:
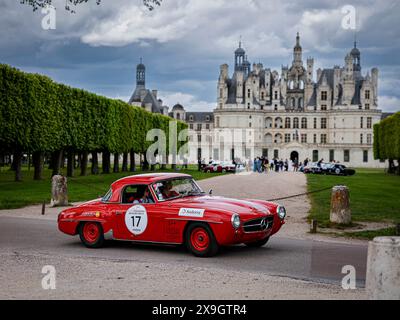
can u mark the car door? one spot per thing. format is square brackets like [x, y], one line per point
[135, 221]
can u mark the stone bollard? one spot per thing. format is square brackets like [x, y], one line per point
[59, 191]
[383, 269]
[340, 205]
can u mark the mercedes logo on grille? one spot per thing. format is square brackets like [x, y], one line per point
[263, 224]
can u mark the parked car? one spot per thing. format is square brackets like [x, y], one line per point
[338, 169]
[312, 167]
[220, 167]
[169, 208]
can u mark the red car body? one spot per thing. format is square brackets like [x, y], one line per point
[202, 222]
[219, 168]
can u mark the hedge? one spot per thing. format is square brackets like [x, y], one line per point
[38, 115]
[387, 139]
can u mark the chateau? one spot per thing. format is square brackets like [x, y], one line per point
[292, 115]
[289, 114]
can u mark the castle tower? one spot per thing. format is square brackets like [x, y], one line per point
[298, 52]
[141, 75]
[240, 58]
[356, 56]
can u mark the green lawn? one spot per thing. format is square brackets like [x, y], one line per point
[20, 194]
[374, 196]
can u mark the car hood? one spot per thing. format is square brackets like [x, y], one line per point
[244, 208]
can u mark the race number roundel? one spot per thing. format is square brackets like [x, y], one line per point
[136, 219]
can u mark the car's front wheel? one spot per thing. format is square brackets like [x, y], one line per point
[91, 234]
[259, 243]
[200, 240]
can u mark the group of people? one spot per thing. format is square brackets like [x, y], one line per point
[264, 165]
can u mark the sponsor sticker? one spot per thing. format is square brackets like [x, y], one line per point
[136, 219]
[188, 212]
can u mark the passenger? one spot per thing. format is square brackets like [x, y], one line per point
[168, 192]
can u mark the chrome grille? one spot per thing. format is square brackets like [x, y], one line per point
[257, 225]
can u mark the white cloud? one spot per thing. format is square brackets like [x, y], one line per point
[190, 102]
[389, 103]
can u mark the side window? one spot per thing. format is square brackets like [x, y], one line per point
[136, 194]
[107, 197]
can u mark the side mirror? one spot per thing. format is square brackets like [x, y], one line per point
[210, 192]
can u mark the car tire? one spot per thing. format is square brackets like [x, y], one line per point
[337, 171]
[257, 244]
[91, 234]
[200, 240]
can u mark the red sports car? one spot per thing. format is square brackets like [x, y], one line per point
[170, 208]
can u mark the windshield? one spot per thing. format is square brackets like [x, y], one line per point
[176, 188]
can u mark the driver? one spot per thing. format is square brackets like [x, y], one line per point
[147, 198]
[168, 192]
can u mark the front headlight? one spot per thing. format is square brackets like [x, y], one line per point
[235, 221]
[281, 211]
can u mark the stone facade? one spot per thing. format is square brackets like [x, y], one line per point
[292, 115]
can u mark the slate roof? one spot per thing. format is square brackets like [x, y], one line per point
[200, 117]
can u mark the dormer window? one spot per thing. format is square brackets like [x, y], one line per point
[208, 118]
[191, 118]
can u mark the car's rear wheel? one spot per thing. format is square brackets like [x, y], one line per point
[200, 240]
[91, 234]
[257, 244]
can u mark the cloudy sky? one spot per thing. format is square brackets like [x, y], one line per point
[184, 42]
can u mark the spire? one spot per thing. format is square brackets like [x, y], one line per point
[141, 74]
[298, 40]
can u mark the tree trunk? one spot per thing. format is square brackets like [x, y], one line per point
[125, 162]
[56, 159]
[133, 161]
[145, 166]
[106, 161]
[116, 163]
[37, 160]
[391, 166]
[95, 163]
[17, 164]
[84, 163]
[70, 163]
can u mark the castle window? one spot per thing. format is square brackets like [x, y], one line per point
[191, 118]
[361, 138]
[248, 106]
[287, 137]
[276, 95]
[346, 156]
[367, 94]
[199, 127]
[191, 126]
[331, 155]
[221, 93]
[369, 123]
[248, 93]
[262, 95]
[324, 95]
[365, 155]
[287, 123]
[276, 107]
[207, 126]
[303, 138]
[296, 123]
[315, 123]
[304, 123]
[323, 138]
[362, 123]
[324, 107]
[208, 118]
[178, 116]
[315, 155]
[323, 123]
[367, 106]
[315, 140]
[369, 138]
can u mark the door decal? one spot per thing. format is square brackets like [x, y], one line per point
[136, 219]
